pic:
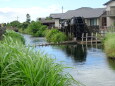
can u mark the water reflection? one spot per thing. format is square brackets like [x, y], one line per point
[111, 63]
[77, 52]
[91, 66]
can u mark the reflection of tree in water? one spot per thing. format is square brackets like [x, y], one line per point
[111, 63]
[76, 52]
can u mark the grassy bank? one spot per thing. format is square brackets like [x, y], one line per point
[21, 66]
[109, 45]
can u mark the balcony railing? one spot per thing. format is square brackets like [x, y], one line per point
[110, 13]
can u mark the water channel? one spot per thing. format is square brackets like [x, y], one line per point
[89, 64]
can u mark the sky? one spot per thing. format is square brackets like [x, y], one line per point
[11, 10]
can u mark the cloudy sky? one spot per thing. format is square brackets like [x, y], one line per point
[11, 9]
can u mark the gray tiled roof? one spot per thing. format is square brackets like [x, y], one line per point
[47, 21]
[44, 20]
[85, 12]
[57, 15]
[109, 2]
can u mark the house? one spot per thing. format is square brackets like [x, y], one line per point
[93, 16]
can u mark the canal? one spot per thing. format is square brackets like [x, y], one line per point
[89, 64]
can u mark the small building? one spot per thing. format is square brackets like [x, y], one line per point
[49, 23]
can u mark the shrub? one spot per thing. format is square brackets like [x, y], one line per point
[55, 35]
[59, 37]
[109, 45]
[50, 34]
[36, 29]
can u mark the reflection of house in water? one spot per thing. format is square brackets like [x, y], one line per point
[76, 52]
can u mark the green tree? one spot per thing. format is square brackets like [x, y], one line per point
[36, 28]
[38, 19]
[15, 24]
[24, 25]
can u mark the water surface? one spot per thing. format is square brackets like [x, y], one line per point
[89, 63]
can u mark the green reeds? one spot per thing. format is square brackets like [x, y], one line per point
[21, 66]
[109, 45]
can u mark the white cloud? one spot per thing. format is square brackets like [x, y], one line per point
[9, 14]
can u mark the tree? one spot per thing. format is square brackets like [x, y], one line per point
[15, 24]
[24, 25]
[38, 19]
[28, 18]
[37, 29]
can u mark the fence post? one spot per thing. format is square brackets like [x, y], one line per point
[91, 38]
[96, 38]
[86, 37]
[82, 36]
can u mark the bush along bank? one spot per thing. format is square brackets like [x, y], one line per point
[109, 45]
[34, 28]
[21, 66]
[55, 35]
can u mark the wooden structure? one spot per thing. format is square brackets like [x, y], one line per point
[75, 27]
[93, 38]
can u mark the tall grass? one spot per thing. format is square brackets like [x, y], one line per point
[109, 45]
[21, 66]
[15, 36]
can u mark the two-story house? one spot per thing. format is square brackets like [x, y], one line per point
[110, 12]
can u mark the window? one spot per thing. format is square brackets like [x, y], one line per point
[93, 22]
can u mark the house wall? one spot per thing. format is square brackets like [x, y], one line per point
[98, 21]
[110, 20]
[57, 25]
[109, 5]
[87, 21]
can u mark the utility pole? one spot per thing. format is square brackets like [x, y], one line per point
[62, 9]
[17, 18]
